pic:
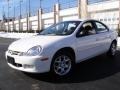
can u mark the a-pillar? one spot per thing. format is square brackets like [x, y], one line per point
[82, 9]
[40, 23]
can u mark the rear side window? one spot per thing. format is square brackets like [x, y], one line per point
[100, 28]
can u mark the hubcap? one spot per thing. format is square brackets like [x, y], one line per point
[62, 65]
[113, 49]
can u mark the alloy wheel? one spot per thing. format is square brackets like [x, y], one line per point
[62, 65]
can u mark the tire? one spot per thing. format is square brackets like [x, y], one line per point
[112, 50]
[62, 64]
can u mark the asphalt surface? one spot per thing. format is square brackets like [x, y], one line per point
[99, 73]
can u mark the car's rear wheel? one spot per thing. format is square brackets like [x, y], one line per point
[62, 64]
[112, 50]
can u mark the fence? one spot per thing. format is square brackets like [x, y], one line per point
[71, 4]
[60, 12]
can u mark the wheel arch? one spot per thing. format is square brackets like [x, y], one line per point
[114, 41]
[65, 49]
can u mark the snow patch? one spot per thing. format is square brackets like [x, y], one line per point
[16, 35]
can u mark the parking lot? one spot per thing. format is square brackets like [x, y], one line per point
[99, 73]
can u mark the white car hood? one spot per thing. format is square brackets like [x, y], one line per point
[25, 44]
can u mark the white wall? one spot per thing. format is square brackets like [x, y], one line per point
[106, 12]
[102, 6]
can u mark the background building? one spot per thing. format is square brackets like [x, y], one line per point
[106, 11]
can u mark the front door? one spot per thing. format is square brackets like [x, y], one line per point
[87, 43]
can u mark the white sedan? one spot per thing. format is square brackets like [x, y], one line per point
[60, 46]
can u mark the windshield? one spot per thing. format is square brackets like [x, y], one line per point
[63, 28]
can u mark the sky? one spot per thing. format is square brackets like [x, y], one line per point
[14, 5]
[24, 6]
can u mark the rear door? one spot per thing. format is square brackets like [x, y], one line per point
[103, 36]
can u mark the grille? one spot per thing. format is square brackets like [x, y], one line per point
[14, 52]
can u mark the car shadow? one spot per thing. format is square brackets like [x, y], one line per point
[93, 69]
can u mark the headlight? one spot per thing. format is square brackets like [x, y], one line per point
[34, 51]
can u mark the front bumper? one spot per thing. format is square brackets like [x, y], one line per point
[31, 64]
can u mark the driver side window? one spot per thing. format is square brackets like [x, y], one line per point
[87, 29]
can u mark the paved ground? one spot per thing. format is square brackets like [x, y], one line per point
[99, 73]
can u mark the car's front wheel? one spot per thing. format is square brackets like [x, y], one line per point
[62, 64]
[112, 50]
